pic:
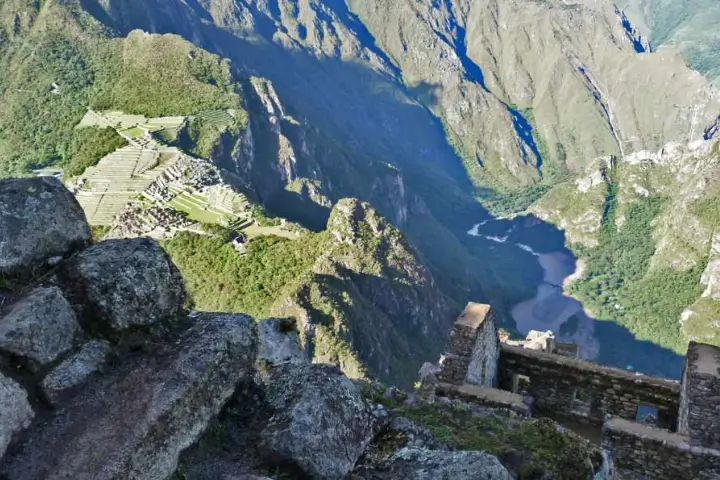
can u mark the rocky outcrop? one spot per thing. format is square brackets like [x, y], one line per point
[421, 464]
[135, 423]
[39, 328]
[15, 411]
[321, 424]
[278, 342]
[39, 219]
[76, 369]
[217, 396]
[380, 293]
[124, 284]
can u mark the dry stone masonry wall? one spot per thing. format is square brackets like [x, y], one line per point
[472, 349]
[561, 385]
[643, 452]
[584, 390]
[700, 403]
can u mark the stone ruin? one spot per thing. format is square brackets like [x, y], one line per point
[104, 375]
[155, 222]
[651, 428]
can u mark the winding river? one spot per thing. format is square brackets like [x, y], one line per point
[550, 308]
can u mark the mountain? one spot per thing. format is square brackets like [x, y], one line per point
[687, 26]
[439, 115]
[360, 294]
[646, 230]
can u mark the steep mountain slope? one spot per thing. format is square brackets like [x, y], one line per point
[423, 109]
[652, 222]
[513, 83]
[689, 26]
[58, 61]
[362, 297]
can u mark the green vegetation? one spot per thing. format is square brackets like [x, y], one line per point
[702, 326]
[133, 132]
[53, 72]
[163, 75]
[197, 208]
[707, 209]
[501, 202]
[89, 146]
[221, 280]
[617, 284]
[99, 231]
[545, 451]
[203, 131]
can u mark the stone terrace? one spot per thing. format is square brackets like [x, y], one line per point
[116, 180]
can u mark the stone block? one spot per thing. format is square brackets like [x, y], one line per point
[136, 420]
[15, 411]
[321, 424]
[75, 370]
[39, 219]
[39, 328]
[124, 284]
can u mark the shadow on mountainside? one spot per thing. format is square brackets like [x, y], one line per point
[600, 340]
[373, 122]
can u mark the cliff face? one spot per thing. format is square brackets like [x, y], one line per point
[368, 302]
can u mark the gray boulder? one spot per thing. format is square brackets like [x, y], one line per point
[39, 328]
[135, 422]
[39, 219]
[321, 424]
[278, 342]
[421, 464]
[124, 284]
[413, 435]
[15, 411]
[398, 434]
[75, 370]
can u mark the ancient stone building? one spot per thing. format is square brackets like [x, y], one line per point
[700, 399]
[472, 349]
[651, 428]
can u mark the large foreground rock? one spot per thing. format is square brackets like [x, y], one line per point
[39, 219]
[39, 328]
[15, 411]
[421, 464]
[75, 370]
[135, 422]
[278, 342]
[321, 424]
[125, 283]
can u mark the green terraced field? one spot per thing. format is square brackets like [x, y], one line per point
[196, 208]
[220, 119]
[166, 135]
[133, 132]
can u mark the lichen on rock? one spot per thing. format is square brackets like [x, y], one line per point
[39, 219]
[122, 284]
[39, 328]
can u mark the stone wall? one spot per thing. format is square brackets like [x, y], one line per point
[484, 358]
[486, 396]
[700, 399]
[640, 451]
[584, 390]
[472, 349]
